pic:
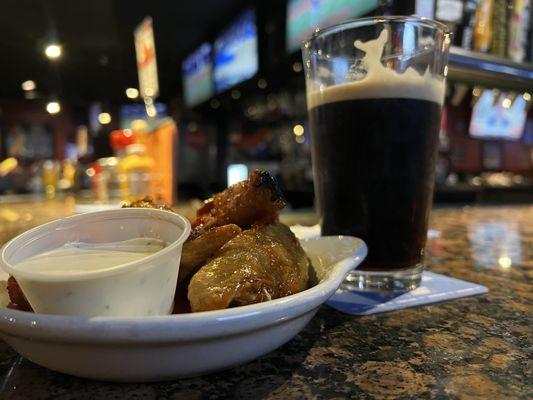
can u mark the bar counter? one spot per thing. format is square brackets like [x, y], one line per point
[470, 348]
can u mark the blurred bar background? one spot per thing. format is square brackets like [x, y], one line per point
[222, 92]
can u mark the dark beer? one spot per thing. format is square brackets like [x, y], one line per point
[373, 161]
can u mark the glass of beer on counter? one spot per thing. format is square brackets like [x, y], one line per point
[50, 177]
[375, 90]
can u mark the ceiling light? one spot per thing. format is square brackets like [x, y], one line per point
[262, 83]
[53, 51]
[298, 130]
[53, 107]
[28, 85]
[104, 118]
[132, 93]
[526, 96]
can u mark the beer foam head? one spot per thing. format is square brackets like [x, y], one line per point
[380, 81]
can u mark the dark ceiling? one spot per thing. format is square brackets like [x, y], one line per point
[98, 61]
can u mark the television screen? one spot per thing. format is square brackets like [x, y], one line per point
[498, 117]
[235, 52]
[197, 69]
[304, 16]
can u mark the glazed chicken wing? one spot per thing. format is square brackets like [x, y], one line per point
[198, 250]
[243, 204]
[257, 265]
[16, 297]
[146, 202]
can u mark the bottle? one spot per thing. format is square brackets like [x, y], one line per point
[425, 8]
[50, 177]
[385, 7]
[120, 140]
[421, 8]
[499, 28]
[137, 167]
[529, 55]
[483, 26]
[449, 11]
[518, 29]
[465, 32]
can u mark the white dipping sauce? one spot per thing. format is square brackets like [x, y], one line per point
[77, 257]
[129, 273]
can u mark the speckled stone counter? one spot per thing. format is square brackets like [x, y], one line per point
[471, 348]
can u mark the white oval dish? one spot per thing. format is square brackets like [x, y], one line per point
[174, 346]
[138, 288]
[85, 208]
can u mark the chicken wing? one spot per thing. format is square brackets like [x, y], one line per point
[242, 204]
[16, 297]
[198, 250]
[146, 202]
[257, 265]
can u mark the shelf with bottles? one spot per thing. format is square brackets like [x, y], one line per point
[489, 70]
[492, 40]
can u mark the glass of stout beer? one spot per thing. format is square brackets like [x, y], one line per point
[375, 89]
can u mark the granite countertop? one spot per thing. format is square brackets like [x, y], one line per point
[471, 348]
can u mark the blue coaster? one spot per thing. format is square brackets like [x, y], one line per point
[433, 288]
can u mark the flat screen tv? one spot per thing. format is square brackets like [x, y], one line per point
[197, 69]
[235, 52]
[304, 16]
[495, 116]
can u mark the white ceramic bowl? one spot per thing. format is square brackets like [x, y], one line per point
[140, 288]
[169, 347]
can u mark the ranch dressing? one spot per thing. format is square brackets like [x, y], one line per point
[78, 257]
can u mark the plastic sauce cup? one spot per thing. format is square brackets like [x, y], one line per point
[140, 288]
